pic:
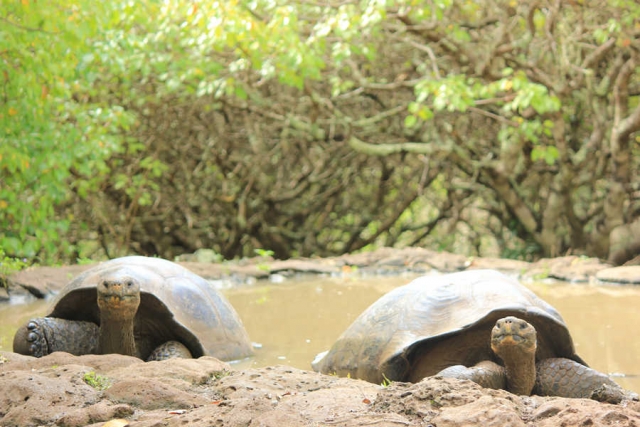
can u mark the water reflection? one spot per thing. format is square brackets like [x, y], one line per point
[295, 320]
[14, 315]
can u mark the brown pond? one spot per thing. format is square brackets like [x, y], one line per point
[294, 320]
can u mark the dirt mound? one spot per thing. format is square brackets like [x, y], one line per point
[68, 391]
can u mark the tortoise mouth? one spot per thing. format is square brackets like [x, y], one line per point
[118, 308]
[509, 339]
[116, 300]
[118, 292]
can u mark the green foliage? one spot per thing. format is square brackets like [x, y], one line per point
[548, 154]
[9, 265]
[229, 125]
[49, 140]
[457, 93]
[208, 256]
[386, 382]
[264, 253]
[84, 261]
[96, 381]
[218, 375]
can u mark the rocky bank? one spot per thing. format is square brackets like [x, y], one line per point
[71, 391]
[45, 281]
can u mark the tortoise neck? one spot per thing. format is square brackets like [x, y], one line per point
[116, 337]
[520, 371]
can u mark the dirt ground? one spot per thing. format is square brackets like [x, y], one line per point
[115, 390]
[73, 391]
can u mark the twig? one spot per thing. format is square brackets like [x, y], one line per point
[22, 27]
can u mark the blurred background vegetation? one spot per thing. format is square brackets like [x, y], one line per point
[319, 127]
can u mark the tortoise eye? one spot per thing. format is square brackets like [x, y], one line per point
[129, 284]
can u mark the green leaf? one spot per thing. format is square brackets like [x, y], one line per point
[410, 121]
[536, 154]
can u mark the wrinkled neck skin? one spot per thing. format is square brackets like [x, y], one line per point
[116, 336]
[520, 370]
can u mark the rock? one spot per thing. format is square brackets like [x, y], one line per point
[405, 259]
[151, 394]
[45, 281]
[582, 412]
[99, 412]
[569, 268]
[52, 391]
[626, 274]
[226, 271]
[486, 411]
[97, 362]
[181, 374]
[31, 398]
[450, 402]
[302, 266]
[501, 264]
[445, 262]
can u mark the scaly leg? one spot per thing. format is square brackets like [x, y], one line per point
[169, 350]
[567, 378]
[486, 373]
[45, 335]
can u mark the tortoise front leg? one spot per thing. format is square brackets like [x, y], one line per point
[44, 335]
[486, 373]
[567, 378]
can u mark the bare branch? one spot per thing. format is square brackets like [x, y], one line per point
[25, 28]
[387, 149]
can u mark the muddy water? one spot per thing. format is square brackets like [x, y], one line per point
[294, 320]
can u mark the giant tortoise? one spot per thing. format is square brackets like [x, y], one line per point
[478, 325]
[145, 307]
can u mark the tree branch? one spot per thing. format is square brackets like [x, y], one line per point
[406, 147]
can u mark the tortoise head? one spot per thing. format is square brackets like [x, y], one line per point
[511, 336]
[118, 297]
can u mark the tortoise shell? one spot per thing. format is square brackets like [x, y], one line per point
[447, 319]
[175, 304]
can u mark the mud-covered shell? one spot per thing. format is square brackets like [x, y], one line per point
[175, 304]
[446, 318]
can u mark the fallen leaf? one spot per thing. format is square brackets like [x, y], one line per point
[118, 422]
[366, 401]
